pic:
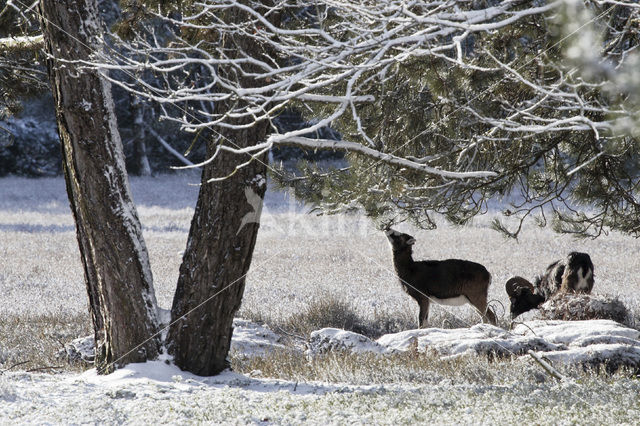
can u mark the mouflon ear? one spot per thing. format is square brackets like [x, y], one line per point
[515, 286]
[391, 232]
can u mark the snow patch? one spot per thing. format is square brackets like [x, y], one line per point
[479, 339]
[570, 332]
[80, 349]
[612, 356]
[250, 339]
[334, 339]
[592, 342]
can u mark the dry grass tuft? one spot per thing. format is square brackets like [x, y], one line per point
[330, 311]
[368, 368]
[30, 343]
[409, 367]
[585, 307]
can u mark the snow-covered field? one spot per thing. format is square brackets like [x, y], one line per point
[156, 393]
[299, 260]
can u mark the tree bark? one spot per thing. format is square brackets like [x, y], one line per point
[217, 258]
[115, 259]
[220, 244]
[139, 135]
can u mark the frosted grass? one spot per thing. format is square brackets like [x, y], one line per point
[168, 395]
[298, 257]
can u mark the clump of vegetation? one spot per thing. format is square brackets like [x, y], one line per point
[331, 311]
[410, 367]
[585, 307]
[334, 312]
[30, 343]
[369, 368]
[326, 312]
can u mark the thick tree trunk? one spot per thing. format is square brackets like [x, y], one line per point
[221, 242]
[114, 255]
[218, 255]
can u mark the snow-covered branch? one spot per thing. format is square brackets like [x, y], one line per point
[168, 147]
[380, 156]
[21, 43]
[334, 60]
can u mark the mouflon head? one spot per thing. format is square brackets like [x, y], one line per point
[522, 296]
[398, 240]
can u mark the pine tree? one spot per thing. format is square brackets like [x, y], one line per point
[488, 111]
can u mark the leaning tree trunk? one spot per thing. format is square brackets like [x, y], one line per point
[221, 240]
[114, 255]
[219, 250]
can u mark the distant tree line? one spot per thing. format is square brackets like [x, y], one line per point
[29, 143]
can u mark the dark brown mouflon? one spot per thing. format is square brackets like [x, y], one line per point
[446, 282]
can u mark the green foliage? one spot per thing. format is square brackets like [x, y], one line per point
[433, 110]
[21, 71]
[135, 13]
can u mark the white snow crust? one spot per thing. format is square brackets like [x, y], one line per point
[566, 342]
[250, 339]
[158, 392]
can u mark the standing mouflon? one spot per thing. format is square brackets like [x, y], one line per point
[451, 282]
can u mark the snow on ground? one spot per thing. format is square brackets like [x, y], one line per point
[250, 339]
[578, 333]
[568, 343]
[299, 259]
[156, 392]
